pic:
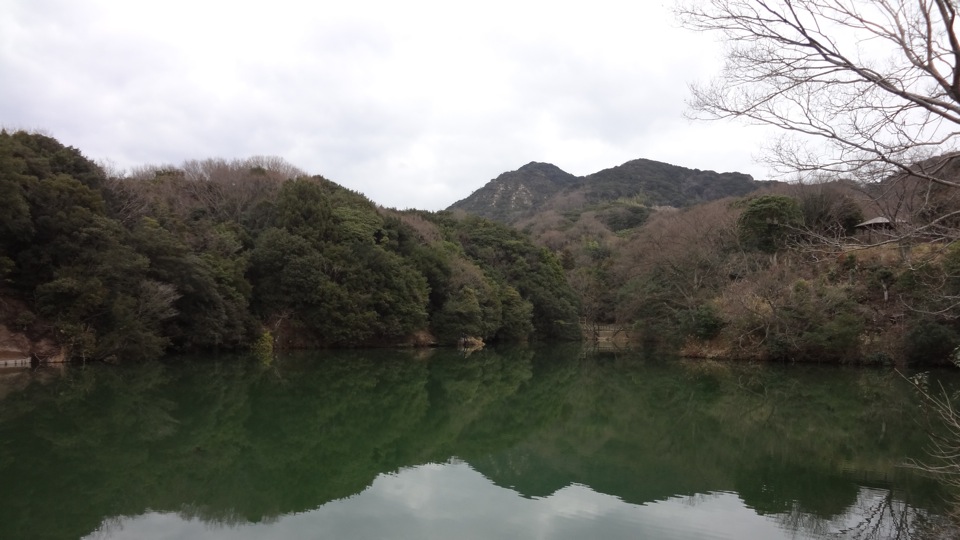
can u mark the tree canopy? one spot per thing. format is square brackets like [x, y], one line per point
[212, 255]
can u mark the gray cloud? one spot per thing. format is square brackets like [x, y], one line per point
[415, 104]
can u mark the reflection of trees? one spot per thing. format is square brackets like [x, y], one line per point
[783, 439]
[236, 442]
[771, 487]
[876, 514]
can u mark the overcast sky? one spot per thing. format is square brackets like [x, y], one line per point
[416, 104]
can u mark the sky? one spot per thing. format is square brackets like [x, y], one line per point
[415, 104]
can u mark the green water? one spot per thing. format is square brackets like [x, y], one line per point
[519, 443]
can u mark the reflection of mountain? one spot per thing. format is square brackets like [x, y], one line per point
[235, 442]
[454, 501]
[777, 437]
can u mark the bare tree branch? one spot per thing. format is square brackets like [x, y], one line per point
[863, 90]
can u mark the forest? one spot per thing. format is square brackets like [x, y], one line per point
[722, 266]
[258, 255]
[783, 273]
[254, 254]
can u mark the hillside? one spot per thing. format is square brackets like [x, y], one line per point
[542, 187]
[250, 254]
[215, 255]
[517, 194]
[662, 184]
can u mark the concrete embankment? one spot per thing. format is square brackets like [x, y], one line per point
[12, 359]
[19, 351]
[607, 336]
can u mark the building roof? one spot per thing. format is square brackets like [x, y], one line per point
[874, 222]
[877, 221]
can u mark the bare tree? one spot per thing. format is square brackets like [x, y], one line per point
[862, 90]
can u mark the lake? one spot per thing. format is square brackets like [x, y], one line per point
[539, 442]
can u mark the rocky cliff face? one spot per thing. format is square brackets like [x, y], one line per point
[515, 194]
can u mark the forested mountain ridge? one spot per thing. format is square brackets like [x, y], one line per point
[542, 187]
[662, 184]
[721, 265]
[214, 255]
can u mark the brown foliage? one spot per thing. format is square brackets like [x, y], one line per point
[426, 231]
[690, 242]
[222, 189]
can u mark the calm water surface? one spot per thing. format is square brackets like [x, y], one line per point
[518, 443]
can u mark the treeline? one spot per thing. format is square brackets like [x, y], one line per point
[220, 254]
[780, 274]
[228, 255]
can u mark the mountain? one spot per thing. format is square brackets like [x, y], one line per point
[663, 184]
[538, 187]
[517, 194]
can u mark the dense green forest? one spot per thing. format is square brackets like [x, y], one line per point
[218, 255]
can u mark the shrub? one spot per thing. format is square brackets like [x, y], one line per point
[767, 220]
[25, 319]
[705, 322]
[930, 342]
[263, 348]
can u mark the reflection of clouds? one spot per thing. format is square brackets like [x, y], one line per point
[454, 501]
[578, 500]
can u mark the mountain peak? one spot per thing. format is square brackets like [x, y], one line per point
[514, 194]
[539, 165]
[537, 187]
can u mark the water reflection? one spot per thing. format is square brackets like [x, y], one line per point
[526, 442]
[453, 500]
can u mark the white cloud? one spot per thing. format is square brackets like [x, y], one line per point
[415, 104]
